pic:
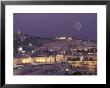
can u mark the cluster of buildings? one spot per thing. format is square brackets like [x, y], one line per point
[30, 50]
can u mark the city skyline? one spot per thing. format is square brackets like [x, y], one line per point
[80, 25]
[55, 44]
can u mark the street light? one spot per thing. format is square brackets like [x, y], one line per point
[66, 71]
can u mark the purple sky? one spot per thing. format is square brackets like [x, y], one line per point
[80, 25]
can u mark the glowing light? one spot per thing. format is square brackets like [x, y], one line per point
[67, 69]
[74, 49]
[19, 32]
[32, 51]
[23, 51]
[61, 38]
[23, 61]
[70, 38]
[89, 53]
[81, 58]
[51, 50]
[30, 44]
[20, 49]
[58, 55]
[85, 49]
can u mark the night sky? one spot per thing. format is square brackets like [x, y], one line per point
[79, 25]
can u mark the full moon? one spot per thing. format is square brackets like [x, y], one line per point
[77, 26]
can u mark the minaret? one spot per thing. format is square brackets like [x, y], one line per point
[19, 32]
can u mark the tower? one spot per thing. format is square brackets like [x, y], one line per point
[19, 32]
